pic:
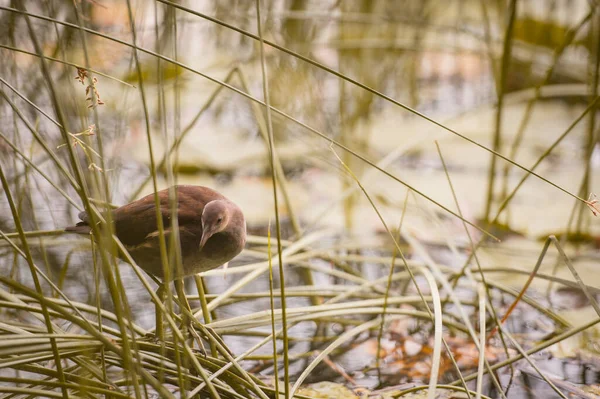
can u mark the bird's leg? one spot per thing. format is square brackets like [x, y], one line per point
[186, 313]
[160, 331]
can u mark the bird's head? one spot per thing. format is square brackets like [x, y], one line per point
[215, 218]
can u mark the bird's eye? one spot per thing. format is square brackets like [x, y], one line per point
[219, 220]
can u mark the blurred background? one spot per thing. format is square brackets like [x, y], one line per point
[416, 95]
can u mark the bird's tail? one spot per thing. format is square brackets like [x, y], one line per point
[82, 227]
[79, 228]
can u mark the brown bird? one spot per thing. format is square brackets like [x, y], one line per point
[212, 230]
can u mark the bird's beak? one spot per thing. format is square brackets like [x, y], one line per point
[206, 234]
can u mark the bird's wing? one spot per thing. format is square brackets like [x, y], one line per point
[135, 223]
[137, 220]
